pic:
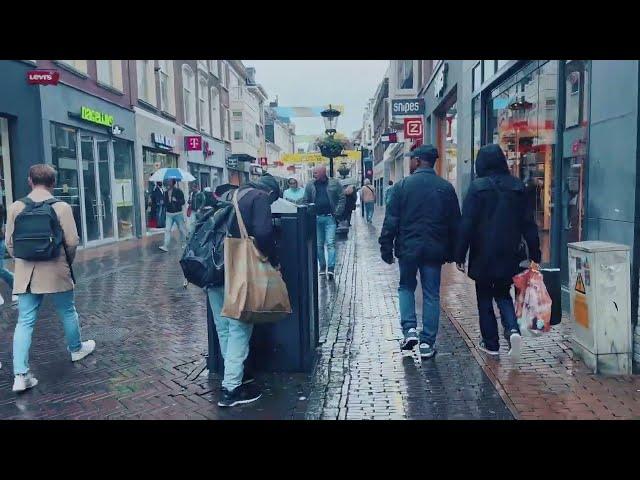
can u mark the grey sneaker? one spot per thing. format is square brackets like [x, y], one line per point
[23, 382]
[410, 339]
[163, 248]
[426, 350]
[515, 344]
[483, 348]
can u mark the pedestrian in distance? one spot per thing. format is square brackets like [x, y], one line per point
[420, 224]
[174, 201]
[158, 210]
[350, 203]
[51, 274]
[368, 196]
[496, 216]
[328, 196]
[194, 204]
[387, 194]
[254, 202]
[294, 193]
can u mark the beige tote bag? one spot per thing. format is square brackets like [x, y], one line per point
[254, 291]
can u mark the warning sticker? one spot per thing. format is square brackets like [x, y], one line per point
[581, 311]
[580, 284]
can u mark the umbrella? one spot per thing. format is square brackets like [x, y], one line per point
[165, 174]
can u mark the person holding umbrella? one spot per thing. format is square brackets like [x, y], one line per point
[173, 202]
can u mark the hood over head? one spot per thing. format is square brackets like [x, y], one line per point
[491, 161]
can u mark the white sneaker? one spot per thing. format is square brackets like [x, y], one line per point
[14, 299]
[23, 382]
[87, 347]
[515, 340]
[163, 248]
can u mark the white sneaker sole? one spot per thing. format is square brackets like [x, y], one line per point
[516, 345]
[77, 356]
[240, 402]
[163, 249]
[33, 383]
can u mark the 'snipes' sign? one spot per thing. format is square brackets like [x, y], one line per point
[95, 116]
[410, 106]
[413, 127]
[43, 77]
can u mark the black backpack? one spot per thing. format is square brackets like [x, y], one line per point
[37, 234]
[203, 259]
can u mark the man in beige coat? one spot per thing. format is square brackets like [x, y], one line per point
[34, 279]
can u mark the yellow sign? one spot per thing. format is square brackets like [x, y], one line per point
[580, 284]
[581, 310]
[316, 157]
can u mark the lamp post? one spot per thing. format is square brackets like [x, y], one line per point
[330, 117]
[361, 148]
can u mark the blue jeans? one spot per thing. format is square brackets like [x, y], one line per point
[178, 219]
[326, 235]
[28, 306]
[430, 279]
[368, 208]
[233, 337]
[5, 274]
[485, 294]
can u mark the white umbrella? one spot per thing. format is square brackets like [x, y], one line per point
[165, 174]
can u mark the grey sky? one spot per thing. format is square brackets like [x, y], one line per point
[309, 83]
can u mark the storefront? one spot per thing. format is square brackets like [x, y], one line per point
[90, 143]
[207, 165]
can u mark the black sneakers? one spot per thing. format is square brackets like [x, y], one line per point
[483, 348]
[410, 339]
[245, 393]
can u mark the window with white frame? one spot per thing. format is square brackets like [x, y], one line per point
[215, 113]
[110, 73]
[405, 74]
[167, 95]
[203, 102]
[203, 65]
[189, 95]
[146, 81]
[213, 67]
[224, 73]
[79, 65]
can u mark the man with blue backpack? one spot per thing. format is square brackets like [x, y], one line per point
[42, 236]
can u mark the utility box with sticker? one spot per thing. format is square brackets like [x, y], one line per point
[600, 293]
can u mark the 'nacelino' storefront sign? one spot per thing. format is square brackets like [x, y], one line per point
[95, 116]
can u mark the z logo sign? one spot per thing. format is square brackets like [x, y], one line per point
[413, 128]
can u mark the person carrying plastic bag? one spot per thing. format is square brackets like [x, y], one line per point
[533, 302]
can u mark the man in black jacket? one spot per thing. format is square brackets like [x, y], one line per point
[420, 223]
[496, 216]
[173, 202]
[254, 201]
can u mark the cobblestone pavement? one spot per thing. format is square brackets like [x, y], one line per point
[548, 382]
[363, 374]
[151, 341]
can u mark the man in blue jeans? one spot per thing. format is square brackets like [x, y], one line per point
[329, 198]
[254, 201]
[35, 279]
[420, 224]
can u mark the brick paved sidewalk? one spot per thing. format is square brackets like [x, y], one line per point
[548, 382]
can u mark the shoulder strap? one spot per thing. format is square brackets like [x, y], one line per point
[51, 201]
[241, 225]
[27, 201]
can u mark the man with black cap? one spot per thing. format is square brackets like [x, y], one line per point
[420, 224]
[254, 201]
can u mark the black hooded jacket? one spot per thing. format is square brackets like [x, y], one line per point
[495, 217]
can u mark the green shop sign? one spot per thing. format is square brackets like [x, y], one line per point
[96, 117]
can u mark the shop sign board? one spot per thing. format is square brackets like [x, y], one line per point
[407, 106]
[413, 127]
[43, 77]
[94, 116]
[192, 143]
[162, 141]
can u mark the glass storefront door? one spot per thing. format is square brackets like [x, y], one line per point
[6, 197]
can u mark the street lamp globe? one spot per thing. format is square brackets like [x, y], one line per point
[330, 117]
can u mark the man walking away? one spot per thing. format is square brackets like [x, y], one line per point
[174, 200]
[495, 217]
[328, 196]
[350, 203]
[387, 194]
[158, 205]
[368, 198]
[421, 224]
[36, 278]
[254, 201]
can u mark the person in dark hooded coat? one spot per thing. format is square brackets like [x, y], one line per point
[496, 216]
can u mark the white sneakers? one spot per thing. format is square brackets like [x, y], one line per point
[87, 348]
[163, 248]
[22, 382]
[515, 340]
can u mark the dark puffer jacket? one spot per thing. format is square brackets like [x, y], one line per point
[421, 219]
[495, 218]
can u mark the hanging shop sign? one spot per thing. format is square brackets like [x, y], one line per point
[407, 106]
[413, 127]
[43, 77]
[192, 143]
[94, 116]
[389, 137]
[162, 141]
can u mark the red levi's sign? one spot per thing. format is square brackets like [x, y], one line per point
[43, 77]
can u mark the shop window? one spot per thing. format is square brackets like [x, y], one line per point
[521, 118]
[152, 161]
[110, 73]
[64, 157]
[405, 74]
[146, 81]
[203, 100]
[6, 194]
[167, 95]
[189, 95]
[488, 69]
[476, 127]
[215, 113]
[476, 77]
[123, 187]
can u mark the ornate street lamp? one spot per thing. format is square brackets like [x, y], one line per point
[330, 117]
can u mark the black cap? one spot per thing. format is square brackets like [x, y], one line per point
[424, 152]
